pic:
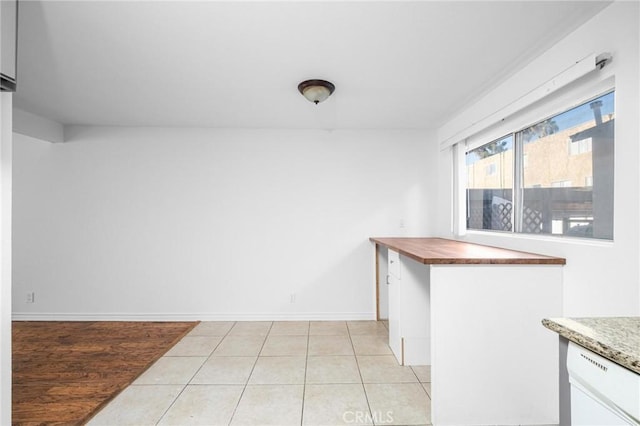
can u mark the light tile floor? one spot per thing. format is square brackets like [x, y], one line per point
[301, 373]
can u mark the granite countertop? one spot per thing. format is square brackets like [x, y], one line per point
[441, 251]
[615, 338]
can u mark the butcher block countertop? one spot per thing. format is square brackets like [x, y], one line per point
[442, 251]
[615, 338]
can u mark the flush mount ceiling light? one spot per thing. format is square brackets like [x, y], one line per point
[316, 90]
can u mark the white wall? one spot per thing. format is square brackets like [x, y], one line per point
[29, 124]
[599, 278]
[204, 223]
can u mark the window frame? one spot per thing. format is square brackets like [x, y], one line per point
[518, 167]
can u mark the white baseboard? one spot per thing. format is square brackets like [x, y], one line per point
[203, 316]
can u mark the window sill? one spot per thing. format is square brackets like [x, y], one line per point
[541, 238]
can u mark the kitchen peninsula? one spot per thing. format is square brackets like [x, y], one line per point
[472, 312]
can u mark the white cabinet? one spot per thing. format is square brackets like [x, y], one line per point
[393, 282]
[409, 306]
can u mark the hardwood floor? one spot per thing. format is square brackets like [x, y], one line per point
[64, 372]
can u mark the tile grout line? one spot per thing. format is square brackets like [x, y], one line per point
[364, 390]
[304, 382]
[194, 374]
[421, 383]
[250, 373]
[416, 375]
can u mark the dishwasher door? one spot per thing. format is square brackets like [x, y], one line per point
[603, 393]
[586, 410]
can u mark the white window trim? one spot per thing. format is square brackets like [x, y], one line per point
[459, 189]
[538, 237]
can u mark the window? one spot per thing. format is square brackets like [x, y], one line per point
[491, 169]
[579, 147]
[554, 177]
[489, 200]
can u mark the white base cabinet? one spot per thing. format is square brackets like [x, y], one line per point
[409, 305]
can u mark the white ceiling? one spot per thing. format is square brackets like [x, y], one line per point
[237, 64]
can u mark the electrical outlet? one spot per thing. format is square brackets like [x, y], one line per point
[292, 298]
[31, 297]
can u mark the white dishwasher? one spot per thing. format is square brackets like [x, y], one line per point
[603, 393]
